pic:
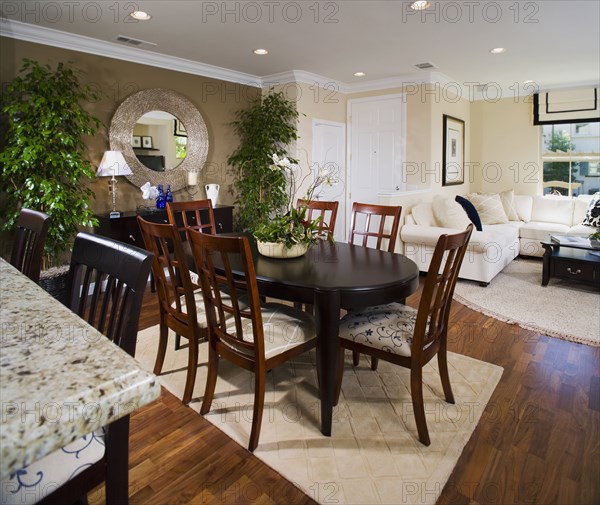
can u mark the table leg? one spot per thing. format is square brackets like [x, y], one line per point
[327, 316]
[117, 462]
[546, 263]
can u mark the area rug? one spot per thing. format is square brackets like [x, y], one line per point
[562, 309]
[373, 455]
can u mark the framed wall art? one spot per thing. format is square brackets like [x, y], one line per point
[147, 142]
[136, 141]
[453, 154]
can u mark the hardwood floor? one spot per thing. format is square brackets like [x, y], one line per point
[538, 441]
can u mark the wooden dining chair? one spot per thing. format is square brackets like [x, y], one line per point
[327, 211]
[376, 220]
[256, 337]
[107, 280]
[28, 245]
[411, 337]
[179, 299]
[192, 215]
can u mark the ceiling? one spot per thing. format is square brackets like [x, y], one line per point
[553, 43]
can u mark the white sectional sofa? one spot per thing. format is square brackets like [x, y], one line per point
[491, 249]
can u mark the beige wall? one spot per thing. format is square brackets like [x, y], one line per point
[505, 147]
[115, 79]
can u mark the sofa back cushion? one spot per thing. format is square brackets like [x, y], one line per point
[422, 214]
[580, 207]
[523, 204]
[552, 209]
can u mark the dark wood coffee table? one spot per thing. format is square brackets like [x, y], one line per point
[571, 258]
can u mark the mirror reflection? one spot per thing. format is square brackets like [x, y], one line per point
[159, 140]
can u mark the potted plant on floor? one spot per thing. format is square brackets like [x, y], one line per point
[43, 154]
[266, 128]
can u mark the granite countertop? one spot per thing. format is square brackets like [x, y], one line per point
[59, 377]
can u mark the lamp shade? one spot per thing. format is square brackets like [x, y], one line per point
[113, 163]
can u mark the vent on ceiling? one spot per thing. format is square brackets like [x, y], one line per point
[134, 42]
[425, 66]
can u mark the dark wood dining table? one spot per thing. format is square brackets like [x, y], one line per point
[334, 276]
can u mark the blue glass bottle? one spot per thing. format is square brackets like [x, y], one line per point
[169, 197]
[160, 199]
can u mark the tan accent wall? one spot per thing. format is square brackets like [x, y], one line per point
[115, 80]
[505, 147]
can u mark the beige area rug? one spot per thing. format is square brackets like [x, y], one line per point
[373, 456]
[562, 309]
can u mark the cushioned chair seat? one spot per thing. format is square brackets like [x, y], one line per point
[387, 327]
[201, 314]
[32, 483]
[284, 327]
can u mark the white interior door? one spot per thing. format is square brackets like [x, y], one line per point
[329, 140]
[376, 148]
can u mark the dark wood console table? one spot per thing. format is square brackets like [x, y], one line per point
[126, 229]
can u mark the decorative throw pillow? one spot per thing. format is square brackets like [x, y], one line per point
[490, 209]
[449, 214]
[508, 202]
[592, 216]
[471, 211]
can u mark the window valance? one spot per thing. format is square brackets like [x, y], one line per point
[580, 105]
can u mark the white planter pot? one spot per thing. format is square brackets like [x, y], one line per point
[279, 250]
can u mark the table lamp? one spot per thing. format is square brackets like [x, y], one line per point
[113, 164]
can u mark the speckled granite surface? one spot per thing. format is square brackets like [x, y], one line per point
[59, 377]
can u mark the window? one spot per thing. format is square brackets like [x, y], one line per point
[570, 155]
[180, 147]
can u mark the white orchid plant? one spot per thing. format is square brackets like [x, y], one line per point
[293, 226]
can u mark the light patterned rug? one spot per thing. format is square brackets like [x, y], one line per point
[562, 309]
[373, 455]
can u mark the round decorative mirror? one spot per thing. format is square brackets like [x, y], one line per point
[144, 147]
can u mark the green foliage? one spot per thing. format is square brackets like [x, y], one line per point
[291, 228]
[42, 159]
[266, 128]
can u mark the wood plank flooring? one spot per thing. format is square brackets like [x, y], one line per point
[538, 441]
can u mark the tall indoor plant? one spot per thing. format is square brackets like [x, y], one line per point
[266, 128]
[43, 154]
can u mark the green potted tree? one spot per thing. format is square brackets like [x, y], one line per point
[266, 128]
[43, 153]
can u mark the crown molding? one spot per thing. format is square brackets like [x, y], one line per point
[50, 37]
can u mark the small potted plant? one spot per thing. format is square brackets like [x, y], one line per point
[595, 238]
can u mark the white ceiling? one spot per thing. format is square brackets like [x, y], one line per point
[554, 43]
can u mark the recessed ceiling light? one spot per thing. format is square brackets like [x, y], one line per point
[359, 74]
[498, 50]
[140, 15]
[529, 81]
[261, 51]
[420, 5]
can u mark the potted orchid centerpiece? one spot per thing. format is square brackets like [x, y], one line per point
[289, 233]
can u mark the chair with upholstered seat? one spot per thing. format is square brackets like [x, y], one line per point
[192, 215]
[179, 299]
[255, 337]
[28, 246]
[411, 337]
[107, 280]
[326, 210]
[371, 225]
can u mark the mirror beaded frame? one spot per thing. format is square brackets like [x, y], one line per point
[138, 104]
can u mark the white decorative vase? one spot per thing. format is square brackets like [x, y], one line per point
[212, 192]
[279, 250]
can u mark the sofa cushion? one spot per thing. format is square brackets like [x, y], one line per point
[449, 214]
[508, 202]
[523, 205]
[592, 216]
[539, 231]
[581, 230]
[423, 214]
[580, 207]
[548, 209]
[490, 208]
[471, 211]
